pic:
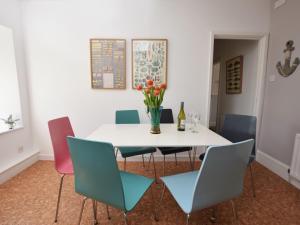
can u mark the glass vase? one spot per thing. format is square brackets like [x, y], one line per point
[155, 120]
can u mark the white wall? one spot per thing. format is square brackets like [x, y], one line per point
[281, 114]
[57, 43]
[10, 16]
[237, 103]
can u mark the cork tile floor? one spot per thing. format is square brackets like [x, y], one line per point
[30, 199]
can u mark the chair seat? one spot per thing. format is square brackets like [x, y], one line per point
[66, 167]
[182, 187]
[132, 151]
[172, 150]
[134, 187]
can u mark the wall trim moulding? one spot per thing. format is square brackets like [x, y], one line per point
[13, 170]
[273, 164]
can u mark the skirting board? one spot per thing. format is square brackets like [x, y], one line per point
[273, 164]
[18, 167]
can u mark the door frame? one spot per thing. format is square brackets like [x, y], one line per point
[263, 44]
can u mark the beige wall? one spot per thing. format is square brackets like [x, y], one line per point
[281, 114]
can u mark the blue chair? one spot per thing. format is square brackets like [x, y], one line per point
[132, 117]
[167, 117]
[97, 177]
[238, 128]
[219, 179]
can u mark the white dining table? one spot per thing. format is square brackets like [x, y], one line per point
[138, 135]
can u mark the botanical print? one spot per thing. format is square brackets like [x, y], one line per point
[149, 61]
[108, 63]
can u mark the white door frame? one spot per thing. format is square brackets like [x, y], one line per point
[263, 40]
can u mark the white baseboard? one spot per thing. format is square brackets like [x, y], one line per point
[273, 164]
[18, 167]
[46, 157]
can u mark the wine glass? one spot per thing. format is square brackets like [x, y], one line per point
[196, 121]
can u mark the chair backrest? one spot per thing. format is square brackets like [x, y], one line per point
[238, 128]
[59, 130]
[166, 116]
[221, 174]
[96, 171]
[127, 117]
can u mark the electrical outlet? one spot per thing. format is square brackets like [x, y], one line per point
[20, 149]
[279, 3]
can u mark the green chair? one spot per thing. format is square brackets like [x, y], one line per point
[132, 117]
[97, 177]
[219, 179]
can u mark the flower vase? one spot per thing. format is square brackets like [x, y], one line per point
[155, 120]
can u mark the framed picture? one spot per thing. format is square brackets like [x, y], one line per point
[149, 61]
[234, 75]
[108, 63]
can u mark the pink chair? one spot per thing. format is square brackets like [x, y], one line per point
[59, 130]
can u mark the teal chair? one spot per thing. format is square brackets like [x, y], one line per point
[97, 177]
[132, 117]
[219, 179]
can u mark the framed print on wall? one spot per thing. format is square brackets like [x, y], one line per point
[234, 75]
[149, 61]
[108, 63]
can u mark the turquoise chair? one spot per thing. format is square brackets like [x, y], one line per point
[132, 117]
[219, 179]
[97, 177]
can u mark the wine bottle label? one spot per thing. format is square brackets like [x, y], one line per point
[182, 124]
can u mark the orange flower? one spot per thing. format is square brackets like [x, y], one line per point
[163, 86]
[156, 92]
[157, 88]
[139, 87]
[147, 90]
[149, 83]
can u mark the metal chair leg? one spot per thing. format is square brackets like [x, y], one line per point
[125, 218]
[187, 219]
[143, 161]
[153, 205]
[81, 210]
[234, 211]
[59, 195]
[125, 164]
[95, 212]
[156, 181]
[108, 215]
[194, 157]
[213, 217]
[252, 181]
[164, 165]
[161, 197]
[176, 159]
[190, 160]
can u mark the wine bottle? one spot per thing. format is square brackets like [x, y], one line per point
[181, 118]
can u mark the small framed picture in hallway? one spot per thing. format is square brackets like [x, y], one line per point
[234, 75]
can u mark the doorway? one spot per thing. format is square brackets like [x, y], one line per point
[253, 50]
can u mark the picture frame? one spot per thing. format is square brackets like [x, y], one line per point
[149, 60]
[234, 75]
[108, 63]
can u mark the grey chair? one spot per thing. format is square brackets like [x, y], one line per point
[219, 179]
[167, 117]
[238, 128]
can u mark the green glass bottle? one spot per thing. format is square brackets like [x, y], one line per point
[181, 118]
